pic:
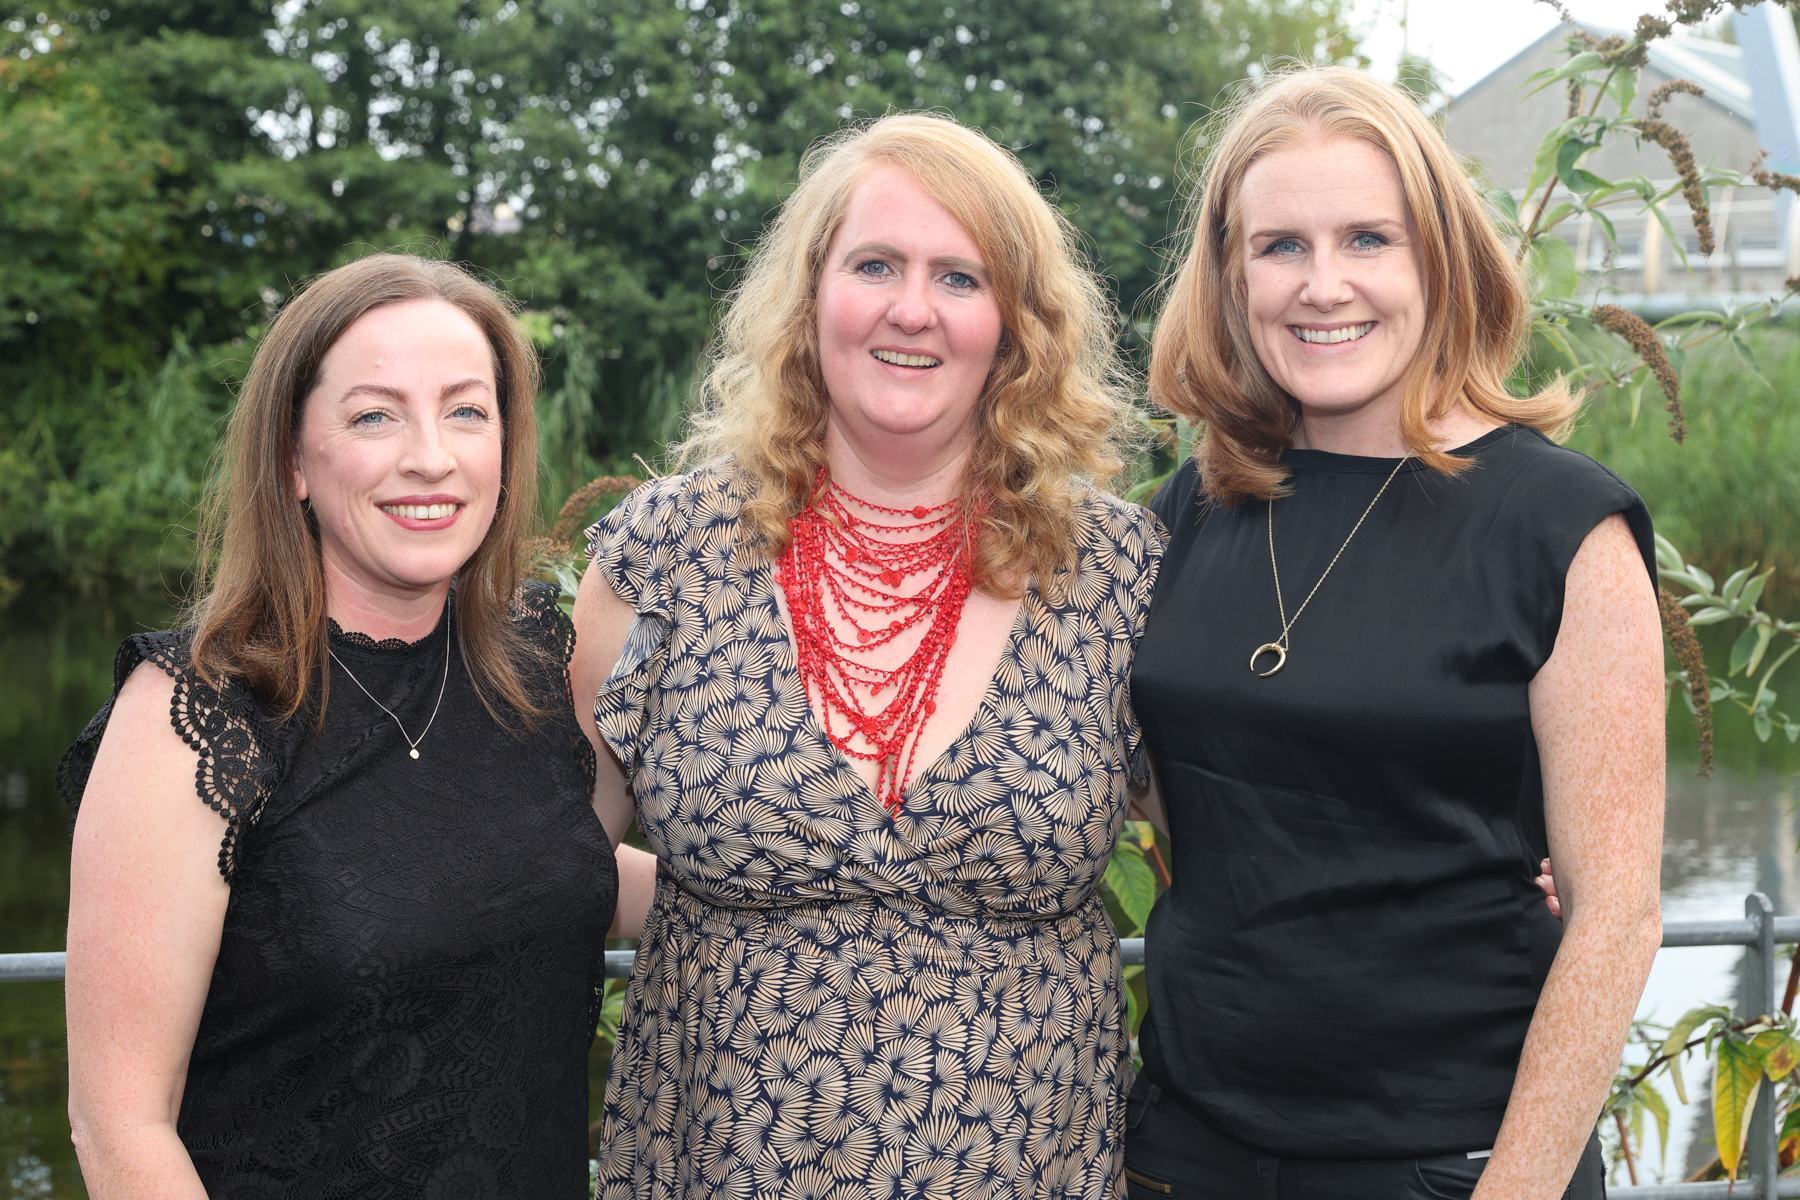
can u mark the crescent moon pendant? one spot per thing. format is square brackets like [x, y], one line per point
[1274, 648]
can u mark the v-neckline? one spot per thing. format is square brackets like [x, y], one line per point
[789, 661]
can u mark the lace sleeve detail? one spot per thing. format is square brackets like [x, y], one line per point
[225, 727]
[547, 626]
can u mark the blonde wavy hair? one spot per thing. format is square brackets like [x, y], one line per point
[1203, 364]
[1052, 412]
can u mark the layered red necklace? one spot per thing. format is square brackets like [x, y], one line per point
[851, 558]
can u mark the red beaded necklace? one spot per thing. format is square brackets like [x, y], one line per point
[844, 561]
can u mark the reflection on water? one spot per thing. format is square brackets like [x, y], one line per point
[1727, 836]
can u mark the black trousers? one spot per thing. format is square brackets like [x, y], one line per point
[1169, 1152]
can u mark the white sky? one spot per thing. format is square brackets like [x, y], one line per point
[1468, 38]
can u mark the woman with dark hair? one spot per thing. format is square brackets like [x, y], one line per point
[1402, 647]
[365, 959]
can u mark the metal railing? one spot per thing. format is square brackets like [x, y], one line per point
[1760, 929]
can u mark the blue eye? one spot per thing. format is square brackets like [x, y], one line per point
[1368, 241]
[961, 281]
[874, 266]
[1284, 246]
[469, 412]
[369, 420]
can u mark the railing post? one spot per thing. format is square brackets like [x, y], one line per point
[1760, 978]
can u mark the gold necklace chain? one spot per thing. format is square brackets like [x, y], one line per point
[412, 743]
[1279, 647]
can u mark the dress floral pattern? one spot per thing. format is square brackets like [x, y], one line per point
[829, 1002]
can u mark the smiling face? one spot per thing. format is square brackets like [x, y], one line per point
[908, 323]
[400, 449]
[1335, 286]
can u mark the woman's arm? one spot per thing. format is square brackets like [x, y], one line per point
[601, 622]
[1597, 712]
[146, 909]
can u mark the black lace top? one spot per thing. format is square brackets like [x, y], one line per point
[410, 969]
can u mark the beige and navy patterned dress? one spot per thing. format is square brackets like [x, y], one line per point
[829, 1002]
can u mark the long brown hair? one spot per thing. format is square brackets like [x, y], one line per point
[1052, 412]
[1203, 364]
[260, 612]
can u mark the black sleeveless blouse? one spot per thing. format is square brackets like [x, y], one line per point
[1351, 952]
[413, 953]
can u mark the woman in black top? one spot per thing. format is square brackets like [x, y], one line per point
[1402, 647]
[365, 960]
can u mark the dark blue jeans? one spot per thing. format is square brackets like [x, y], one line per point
[1169, 1152]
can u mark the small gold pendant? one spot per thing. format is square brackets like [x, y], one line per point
[1274, 648]
[415, 753]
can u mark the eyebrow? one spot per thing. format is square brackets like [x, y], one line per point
[954, 262]
[397, 395]
[1348, 227]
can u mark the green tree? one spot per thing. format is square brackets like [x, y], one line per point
[170, 169]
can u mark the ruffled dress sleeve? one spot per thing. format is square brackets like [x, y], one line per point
[225, 726]
[542, 619]
[639, 546]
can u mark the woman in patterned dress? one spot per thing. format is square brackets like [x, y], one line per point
[875, 964]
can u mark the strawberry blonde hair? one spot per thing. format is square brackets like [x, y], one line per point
[1051, 413]
[1203, 365]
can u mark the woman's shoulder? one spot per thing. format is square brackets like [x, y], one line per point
[1520, 454]
[669, 506]
[1126, 536]
[1550, 497]
[222, 721]
[539, 615]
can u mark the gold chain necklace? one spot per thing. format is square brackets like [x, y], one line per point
[1279, 647]
[412, 743]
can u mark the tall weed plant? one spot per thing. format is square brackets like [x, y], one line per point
[1732, 492]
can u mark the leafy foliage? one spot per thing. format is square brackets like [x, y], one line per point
[175, 168]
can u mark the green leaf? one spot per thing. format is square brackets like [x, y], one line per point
[1662, 218]
[1735, 583]
[1554, 217]
[1503, 200]
[1754, 589]
[1612, 235]
[1653, 1101]
[1763, 727]
[1587, 60]
[1704, 580]
[1742, 649]
[1132, 884]
[1553, 262]
[1544, 166]
[1668, 558]
[1737, 1077]
[1678, 1037]
[1636, 392]
[1623, 89]
[1568, 156]
[1710, 615]
[1764, 633]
